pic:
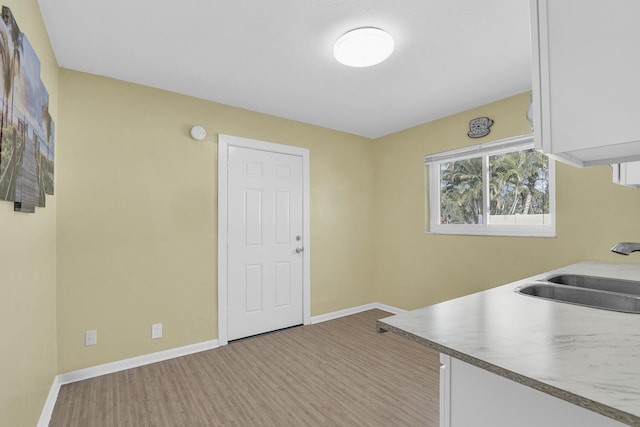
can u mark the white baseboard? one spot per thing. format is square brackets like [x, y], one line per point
[349, 311]
[50, 403]
[109, 368]
[134, 362]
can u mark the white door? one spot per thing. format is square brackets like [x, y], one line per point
[264, 241]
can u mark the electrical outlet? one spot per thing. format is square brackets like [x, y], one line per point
[156, 330]
[90, 338]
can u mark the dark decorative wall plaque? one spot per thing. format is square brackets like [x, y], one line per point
[479, 127]
[26, 128]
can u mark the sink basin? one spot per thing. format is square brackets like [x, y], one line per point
[598, 283]
[573, 294]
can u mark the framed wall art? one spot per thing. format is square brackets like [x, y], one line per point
[26, 127]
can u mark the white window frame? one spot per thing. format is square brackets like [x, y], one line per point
[517, 143]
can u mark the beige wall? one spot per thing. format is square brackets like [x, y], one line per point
[137, 216]
[414, 269]
[28, 265]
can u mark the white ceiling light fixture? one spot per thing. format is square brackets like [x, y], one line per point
[363, 47]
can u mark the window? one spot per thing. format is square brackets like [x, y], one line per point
[502, 188]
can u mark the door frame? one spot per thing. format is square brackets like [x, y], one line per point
[224, 142]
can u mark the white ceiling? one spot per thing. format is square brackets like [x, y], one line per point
[276, 56]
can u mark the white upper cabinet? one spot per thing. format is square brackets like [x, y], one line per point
[626, 174]
[586, 80]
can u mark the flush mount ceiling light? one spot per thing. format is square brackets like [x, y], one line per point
[363, 47]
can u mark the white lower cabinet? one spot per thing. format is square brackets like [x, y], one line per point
[471, 396]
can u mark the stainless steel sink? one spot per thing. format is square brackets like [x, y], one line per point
[628, 303]
[599, 283]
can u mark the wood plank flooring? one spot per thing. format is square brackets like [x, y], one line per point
[337, 373]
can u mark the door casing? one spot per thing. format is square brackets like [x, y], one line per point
[224, 141]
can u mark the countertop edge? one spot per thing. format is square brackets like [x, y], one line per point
[613, 413]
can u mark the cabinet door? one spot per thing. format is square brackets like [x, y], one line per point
[626, 174]
[445, 384]
[586, 72]
[474, 397]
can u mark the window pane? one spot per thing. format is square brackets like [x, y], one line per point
[461, 192]
[519, 188]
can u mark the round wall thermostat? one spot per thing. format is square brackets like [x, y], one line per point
[198, 133]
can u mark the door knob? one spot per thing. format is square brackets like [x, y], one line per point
[299, 249]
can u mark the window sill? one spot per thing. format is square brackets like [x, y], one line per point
[496, 231]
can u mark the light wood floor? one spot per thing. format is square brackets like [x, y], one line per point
[337, 373]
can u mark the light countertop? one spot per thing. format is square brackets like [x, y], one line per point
[586, 356]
